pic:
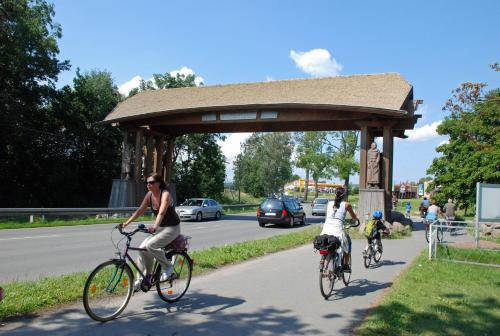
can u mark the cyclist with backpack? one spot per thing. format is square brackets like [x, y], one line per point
[373, 228]
[334, 223]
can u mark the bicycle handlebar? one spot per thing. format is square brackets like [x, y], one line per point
[350, 225]
[140, 228]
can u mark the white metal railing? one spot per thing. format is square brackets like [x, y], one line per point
[464, 235]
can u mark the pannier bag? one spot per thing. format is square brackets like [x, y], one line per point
[326, 242]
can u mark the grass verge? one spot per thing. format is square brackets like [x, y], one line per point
[21, 298]
[438, 298]
[22, 224]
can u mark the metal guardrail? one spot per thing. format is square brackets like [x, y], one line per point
[89, 211]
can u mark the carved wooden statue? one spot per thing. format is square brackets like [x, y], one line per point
[373, 167]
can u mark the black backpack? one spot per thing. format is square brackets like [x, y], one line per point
[326, 242]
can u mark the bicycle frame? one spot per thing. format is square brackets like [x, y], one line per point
[126, 256]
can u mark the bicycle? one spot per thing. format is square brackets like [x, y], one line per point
[372, 250]
[110, 285]
[439, 230]
[330, 265]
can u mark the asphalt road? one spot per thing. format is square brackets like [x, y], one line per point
[28, 254]
[274, 295]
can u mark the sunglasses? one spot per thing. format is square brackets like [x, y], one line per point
[150, 182]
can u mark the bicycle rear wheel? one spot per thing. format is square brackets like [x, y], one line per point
[177, 284]
[108, 290]
[327, 277]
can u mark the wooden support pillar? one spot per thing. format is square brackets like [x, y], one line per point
[138, 155]
[167, 164]
[148, 169]
[364, 146]
[158, 162]
[388, 154]
[125, 173]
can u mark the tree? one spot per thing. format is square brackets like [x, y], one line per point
[90, 151]
[473, 152]
[29, 68]
[344, 146]
[264, 165]
[311, 156]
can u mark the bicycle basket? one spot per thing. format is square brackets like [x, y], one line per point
[181, 243]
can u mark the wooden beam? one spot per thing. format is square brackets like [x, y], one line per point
[158, 162]
[138, 155]
[148, 169]
[364, 146]
[167, 170]
[388, 160]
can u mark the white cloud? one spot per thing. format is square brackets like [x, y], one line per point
[125, 88]
[444, 142]
[423, 133]
[269, 79]
[423, 110]
[187, 71]
[231, 148]
[316, 62]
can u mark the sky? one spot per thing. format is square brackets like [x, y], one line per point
[435, 45]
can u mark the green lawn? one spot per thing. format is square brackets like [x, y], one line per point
[439, 298]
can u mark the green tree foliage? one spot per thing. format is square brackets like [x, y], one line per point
[313, 156]
[89, 152]
[199, 169]
[198, 162]
[473, 152]
[264, 166]
[344, 145]
[28, 71]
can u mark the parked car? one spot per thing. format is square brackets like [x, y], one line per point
[198, 209]
[318, 206]
[280, 211]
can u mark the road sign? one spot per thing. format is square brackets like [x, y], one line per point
[420, 190]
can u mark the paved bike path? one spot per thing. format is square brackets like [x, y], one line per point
[274, 295]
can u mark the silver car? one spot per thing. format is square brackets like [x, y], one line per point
[199, 209]
[318, 206]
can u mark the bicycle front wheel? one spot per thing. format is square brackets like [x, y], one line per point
[327, 277]
[172, 289]
[346, 276]
[108, 290]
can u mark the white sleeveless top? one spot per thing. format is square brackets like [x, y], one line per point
[334, 221]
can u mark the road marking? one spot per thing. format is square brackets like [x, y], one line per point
[33, 237]
[200, 227]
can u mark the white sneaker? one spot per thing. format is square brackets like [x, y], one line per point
[137, 284]
[166, 273]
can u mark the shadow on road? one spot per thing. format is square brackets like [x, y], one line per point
[196, 314]
[386, 263]
[358, 287]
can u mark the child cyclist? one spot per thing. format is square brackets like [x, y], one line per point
[408, 209]
[373, 228]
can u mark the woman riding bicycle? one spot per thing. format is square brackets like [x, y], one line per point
[334, 223]
[165, 229]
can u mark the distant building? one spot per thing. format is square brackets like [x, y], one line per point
[405, 190]
[323, 186]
